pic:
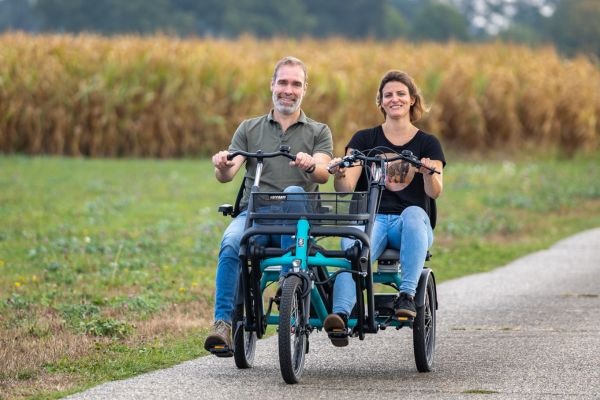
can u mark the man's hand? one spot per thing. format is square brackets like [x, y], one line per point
[226, 169]
[304, 162]
[221, 162]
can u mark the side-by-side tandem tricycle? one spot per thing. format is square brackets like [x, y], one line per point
[304, 298]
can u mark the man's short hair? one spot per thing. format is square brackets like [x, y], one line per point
[290, 60]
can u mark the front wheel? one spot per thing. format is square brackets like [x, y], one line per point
[424, 330]
[244, 341]
[293, 335]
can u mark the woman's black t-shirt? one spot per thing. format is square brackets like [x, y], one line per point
[373, 141]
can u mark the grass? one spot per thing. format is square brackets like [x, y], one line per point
[107, 266]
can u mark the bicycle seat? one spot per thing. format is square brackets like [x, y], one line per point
[389, 260]
[389, 256]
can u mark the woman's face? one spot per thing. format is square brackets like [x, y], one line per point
[396, 100]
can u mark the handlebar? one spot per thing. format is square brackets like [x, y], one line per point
[283, 151]
[405, 155]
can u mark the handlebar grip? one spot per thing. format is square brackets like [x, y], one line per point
[345, 163]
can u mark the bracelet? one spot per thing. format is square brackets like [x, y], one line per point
[311, 169]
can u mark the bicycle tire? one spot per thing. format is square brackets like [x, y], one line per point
[293, 336]
[244, 341]
[424, 327]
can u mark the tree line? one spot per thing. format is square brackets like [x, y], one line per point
[574, 25]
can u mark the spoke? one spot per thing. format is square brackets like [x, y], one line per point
[298, 341]
[293, 324]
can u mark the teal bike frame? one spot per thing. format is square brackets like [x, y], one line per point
[300, 263]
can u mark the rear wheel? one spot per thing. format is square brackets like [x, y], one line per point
[424, 330]
[293, 337]
[244, 341]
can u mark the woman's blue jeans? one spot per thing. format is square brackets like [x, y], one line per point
[228, 266]
[410, 232]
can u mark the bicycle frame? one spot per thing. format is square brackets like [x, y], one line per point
[304, 257]
[303, 300]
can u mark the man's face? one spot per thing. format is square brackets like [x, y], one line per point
[288, 89]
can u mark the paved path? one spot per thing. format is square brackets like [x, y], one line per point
[529, 330]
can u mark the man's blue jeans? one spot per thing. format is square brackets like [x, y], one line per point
[228, 266]
[410, 232]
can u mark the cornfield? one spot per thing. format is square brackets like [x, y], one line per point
[160, 96]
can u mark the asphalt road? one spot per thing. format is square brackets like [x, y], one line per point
[529, 330]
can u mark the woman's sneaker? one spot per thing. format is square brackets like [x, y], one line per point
[404, 306]
[336, 326]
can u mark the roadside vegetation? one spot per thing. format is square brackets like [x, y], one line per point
[128, 96]
[107, 266]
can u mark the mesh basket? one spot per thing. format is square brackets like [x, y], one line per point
[320, 208]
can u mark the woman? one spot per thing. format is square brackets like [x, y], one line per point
[406, 215]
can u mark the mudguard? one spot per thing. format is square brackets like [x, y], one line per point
[426, 275]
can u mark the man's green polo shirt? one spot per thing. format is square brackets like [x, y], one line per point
[264, 133]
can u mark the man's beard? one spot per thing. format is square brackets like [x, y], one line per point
[286, 110]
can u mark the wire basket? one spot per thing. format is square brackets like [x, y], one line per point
[321, 208]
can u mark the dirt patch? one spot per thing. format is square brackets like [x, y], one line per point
[26, 349]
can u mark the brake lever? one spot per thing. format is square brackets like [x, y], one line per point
[410, 157]
[347, 161]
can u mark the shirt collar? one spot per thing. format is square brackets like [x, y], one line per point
[302, 118]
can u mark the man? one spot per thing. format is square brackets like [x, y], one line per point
[285, 124]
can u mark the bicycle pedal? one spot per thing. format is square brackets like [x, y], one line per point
[339, 338]
[404, 321]
[338, 333]
[221, 351]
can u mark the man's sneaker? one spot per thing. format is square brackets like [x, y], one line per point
[336, 326]
[219, 341]
[404, 306]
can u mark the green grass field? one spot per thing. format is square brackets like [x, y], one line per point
[107, 266]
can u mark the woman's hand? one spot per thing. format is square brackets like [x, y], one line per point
[427, 165]
[434, 183]
[335, 169]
